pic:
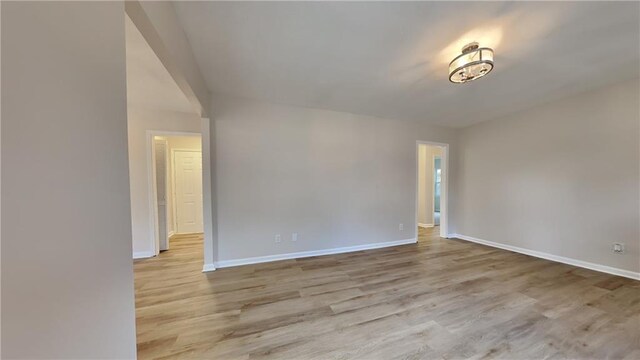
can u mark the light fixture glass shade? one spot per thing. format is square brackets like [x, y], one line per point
[474, 63]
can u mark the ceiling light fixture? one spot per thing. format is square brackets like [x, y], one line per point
[474, 63]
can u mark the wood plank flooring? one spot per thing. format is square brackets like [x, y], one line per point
[438, 299]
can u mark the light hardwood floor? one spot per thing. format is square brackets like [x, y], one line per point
[439, 299]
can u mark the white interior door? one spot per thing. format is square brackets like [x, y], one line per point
[188, 191]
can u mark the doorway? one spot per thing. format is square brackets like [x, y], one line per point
[437, 188]
[431, 187]
[176, 176]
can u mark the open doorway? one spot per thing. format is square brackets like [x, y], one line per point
[158, 106]
[431, 187]
[437, 187]
[176, 178]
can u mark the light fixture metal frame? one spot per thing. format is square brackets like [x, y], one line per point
[469, 49]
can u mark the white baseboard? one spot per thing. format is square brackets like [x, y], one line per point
[170, 234]
[303, 254]
[186, 233]
[208, 267]
[143, 254]
[425, 225]
[556, 258]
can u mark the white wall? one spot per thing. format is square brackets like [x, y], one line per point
[0, 185]
[426, 154]
[158, 23]
[67, 277]
[561, 178]
[141, 120]
[335, 178]
[185, 142]
[209, 195]
[422, 184]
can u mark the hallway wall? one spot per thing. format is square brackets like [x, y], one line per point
[67, 275]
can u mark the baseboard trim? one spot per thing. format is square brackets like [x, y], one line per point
[208, 267]
[551, 257]
[143, 254]
[170, 234]
[303, 254]
[425, 225]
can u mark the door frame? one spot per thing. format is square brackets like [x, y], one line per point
[154, 190]
[173, 187]
[433, 199]
[444, 186]
[151, 179]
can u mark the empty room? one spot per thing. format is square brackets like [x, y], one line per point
[320, 180]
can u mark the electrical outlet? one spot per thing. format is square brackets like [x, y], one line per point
[294, 237]
[278, 238]
[618, 248]
[401, 227]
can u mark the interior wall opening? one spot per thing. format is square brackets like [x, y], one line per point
[431, 189]
[177, 180]
[158, 110]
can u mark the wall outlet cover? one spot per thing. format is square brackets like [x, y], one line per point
[618, 248]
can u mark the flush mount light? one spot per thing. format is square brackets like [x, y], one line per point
[474, 63]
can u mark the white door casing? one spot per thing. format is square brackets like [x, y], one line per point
[161, 174]
[188, 191]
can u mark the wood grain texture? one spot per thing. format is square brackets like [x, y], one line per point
[438, 299]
